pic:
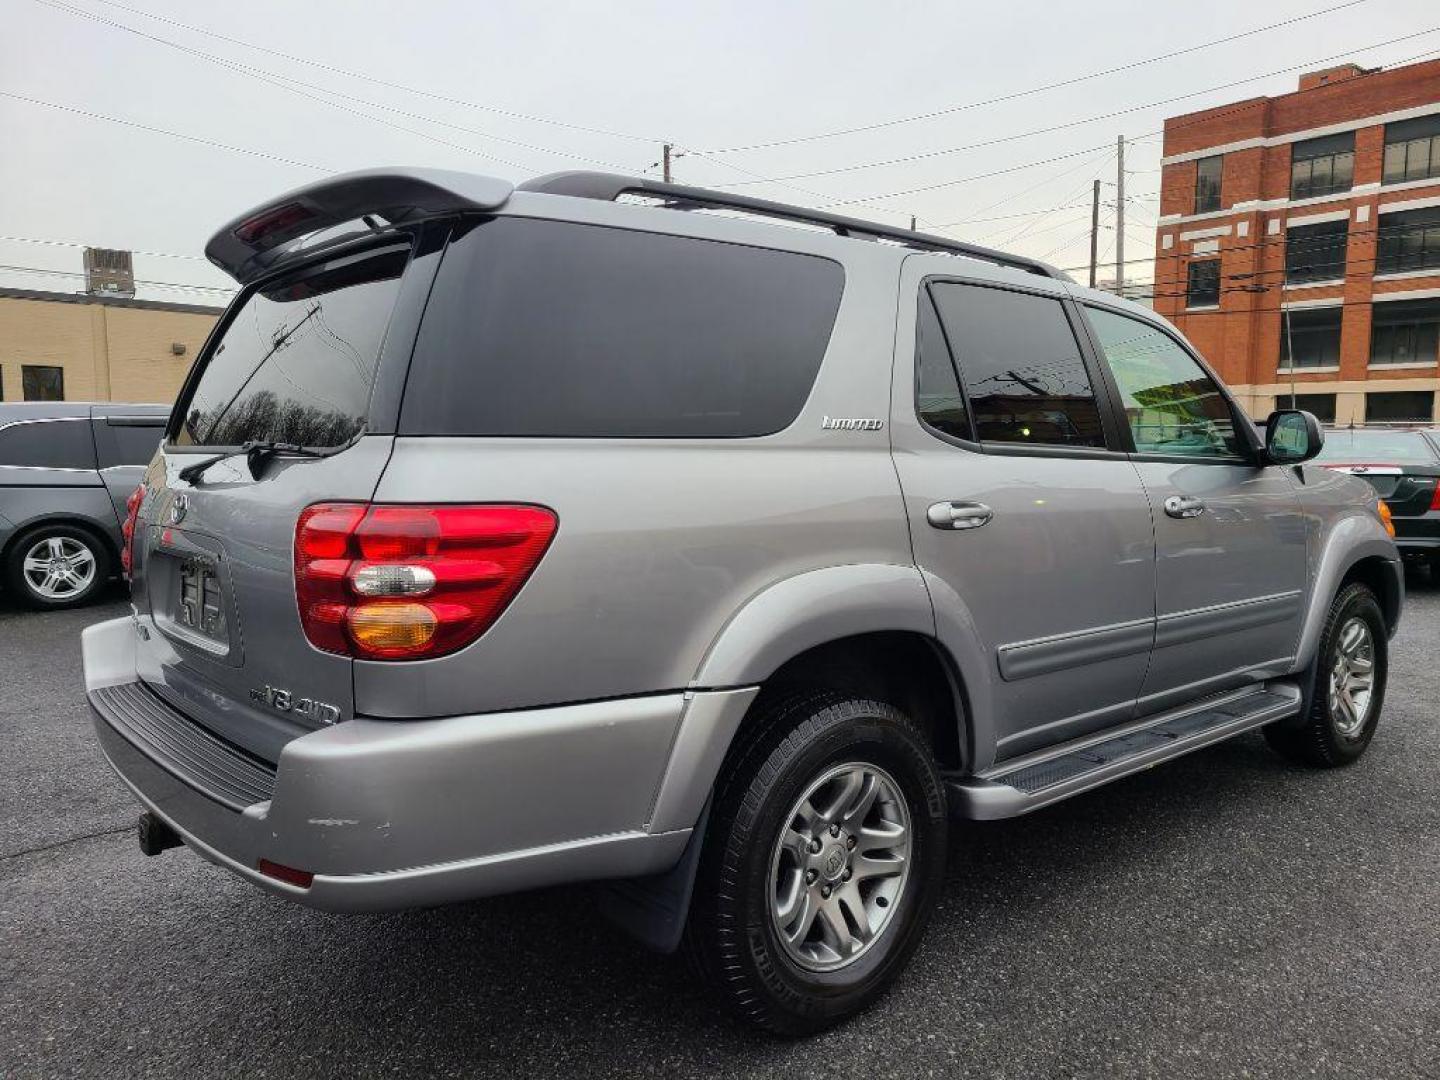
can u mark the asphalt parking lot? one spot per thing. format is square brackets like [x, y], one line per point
[1227, 915]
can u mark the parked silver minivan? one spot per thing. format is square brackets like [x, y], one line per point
[602, 529]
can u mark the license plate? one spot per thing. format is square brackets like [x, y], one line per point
[199, 606]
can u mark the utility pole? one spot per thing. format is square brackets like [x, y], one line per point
[665, 158]
[1094, 231]
[1120, 216]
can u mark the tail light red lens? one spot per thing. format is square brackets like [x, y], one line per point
[127, 530]
[1435, 497]
[393, 582]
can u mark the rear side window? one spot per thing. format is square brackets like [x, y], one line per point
[940, 402]
[297, 361]
[1022, 367]
[547, 328]
[123, 443]
[48, 444]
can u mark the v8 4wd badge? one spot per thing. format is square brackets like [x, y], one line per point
[284, 701]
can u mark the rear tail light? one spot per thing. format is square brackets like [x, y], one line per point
[127, 531]
[410, 582]
[1435, 497]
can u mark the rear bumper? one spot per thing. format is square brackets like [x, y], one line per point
[397, 814]
[1418, 535]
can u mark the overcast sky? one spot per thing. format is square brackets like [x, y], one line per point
[537, 87]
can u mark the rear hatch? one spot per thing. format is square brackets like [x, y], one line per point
[296, 361]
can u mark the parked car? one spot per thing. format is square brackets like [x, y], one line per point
[66, 471]
[573, 532]
[1403, 466]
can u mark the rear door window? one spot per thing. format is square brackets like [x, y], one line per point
[127, 442]
[297, 361]
[1023, 369]
[48, 444]
[546, 328]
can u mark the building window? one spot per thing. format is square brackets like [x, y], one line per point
[1409, 241]
[1202, 288]
[1400, 407]
[1207, 184]
[1322, 166]
[42, 383]
[1316, 252]
[1320, 406]
[1412, 149]
[1405, 332]
[1314, 334]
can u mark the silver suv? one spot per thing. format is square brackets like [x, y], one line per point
[600, 529]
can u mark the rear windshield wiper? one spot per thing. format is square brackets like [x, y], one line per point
[257, 456]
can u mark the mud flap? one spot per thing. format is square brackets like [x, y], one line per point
[653, 909]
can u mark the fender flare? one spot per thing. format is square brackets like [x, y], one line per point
[1357, 537]
[809, 609]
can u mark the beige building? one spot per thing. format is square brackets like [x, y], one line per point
[84, 347]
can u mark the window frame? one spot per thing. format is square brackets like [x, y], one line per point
[1369, 393]
[25, 369]
[1286, 360]
[92, 468]
[1114, 445]
[1219, 185]
[1245, 431]
[1189, 281]
[1392, 236]
[1343, 265]
[1296, 159]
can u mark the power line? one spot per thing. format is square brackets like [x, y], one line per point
[78, 244]
[1049, 129]
[511, 114]
[949, 110]
[289, 84]
[164, 131]
[138, 281]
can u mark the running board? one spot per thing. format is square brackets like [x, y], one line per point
[1036, 780]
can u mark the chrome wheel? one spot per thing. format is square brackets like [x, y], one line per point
[1352, 678]
[839, 866]
[59, 568]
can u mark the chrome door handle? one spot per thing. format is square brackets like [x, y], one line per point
[1183, 506]
[958, 515]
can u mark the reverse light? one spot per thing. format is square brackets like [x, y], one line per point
[1386, 518]
[401, 582]
[127, 530]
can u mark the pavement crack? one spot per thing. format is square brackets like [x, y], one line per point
[67, 840]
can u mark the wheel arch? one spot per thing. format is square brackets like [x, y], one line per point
[31, 526]
[1357, 549]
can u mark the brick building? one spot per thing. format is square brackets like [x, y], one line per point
[87, 347]
[1299, 242]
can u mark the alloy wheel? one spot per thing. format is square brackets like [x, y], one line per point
[1352, 678]
[839, 866]
[59, 567]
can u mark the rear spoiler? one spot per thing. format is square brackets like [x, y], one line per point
[263, 237]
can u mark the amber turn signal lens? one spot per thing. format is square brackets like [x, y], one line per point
[389, 629]
[1386, 518]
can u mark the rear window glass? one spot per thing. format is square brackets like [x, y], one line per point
[130, 444]
[1376, 447]
[297, 361]
[548, 328]
[48, 444]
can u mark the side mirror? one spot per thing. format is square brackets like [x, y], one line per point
[1292, 436]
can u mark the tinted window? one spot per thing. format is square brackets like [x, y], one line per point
[940, 403]
[1316, 252]
[1207, 183]
[1022, 367]
[1400, 406]
[48, 444]
[1321, 406]
[549, 328]
[1202, 286]
[40, 383]
[1172, 405]
[127, 444]
[1409, 241]
[297, 361]
[1322, 166]
[1310, 337]
[1405, 332]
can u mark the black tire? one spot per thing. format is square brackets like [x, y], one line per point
[1318, 738]
[20, 586]
[731, 934]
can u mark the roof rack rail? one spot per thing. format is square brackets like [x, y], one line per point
[610, 186]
